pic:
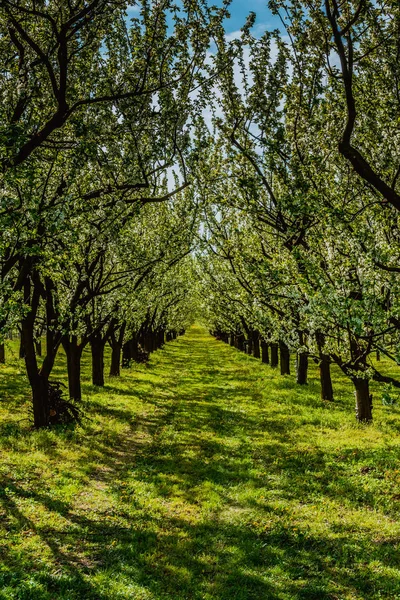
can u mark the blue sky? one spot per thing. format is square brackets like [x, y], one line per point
[239, 9]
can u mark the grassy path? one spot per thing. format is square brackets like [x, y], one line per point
[203, 475]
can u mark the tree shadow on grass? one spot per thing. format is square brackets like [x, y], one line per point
[174, 558]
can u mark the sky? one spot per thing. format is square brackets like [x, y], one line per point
[239, 10]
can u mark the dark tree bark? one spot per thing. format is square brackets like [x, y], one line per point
[231, 339]
[325, 378]
[285, 358]
[40, 400]
[126, 355]
[38, 347]
[324, 369]
[97, 348]
[130, 350]
[39, 384]
[39, 381]
[134, 348]
[2, 354]
[345, 46]
[274, 355]
[115, 361]
[160, 338]
[147, 342]
[302, 368]
[116, 342]
[264, 352]
[363, 400]
[240, 342]
[256, 344]
[73, 350]
[21, 347]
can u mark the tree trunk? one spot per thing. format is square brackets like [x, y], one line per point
[116, 342]
[74, 354]
[249, 345]
[97, 348]
[160, 338]
[38, 347]
[363, 400]
[274, 355]
[40, 401]
[2, 354]
[240, 342]
[285, 358]
[325, 378]
[264, 352]
[324, 369]
[149, 342]
[302, 368]
[256, 344]
[126, 355]
[21, 348]
[231, 339]
[134, 348]
[115, 360]
[39, 383]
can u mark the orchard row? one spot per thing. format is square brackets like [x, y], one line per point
[155, 170]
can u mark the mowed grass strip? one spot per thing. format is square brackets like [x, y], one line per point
[202, 475]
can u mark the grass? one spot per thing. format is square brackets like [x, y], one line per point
[203, 475]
